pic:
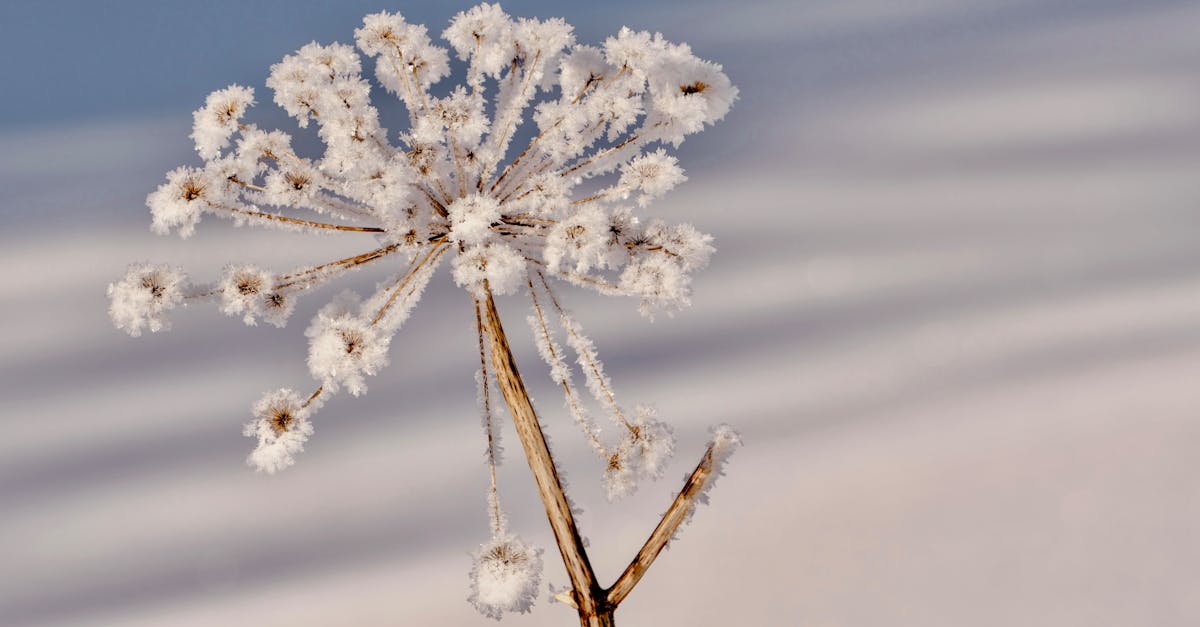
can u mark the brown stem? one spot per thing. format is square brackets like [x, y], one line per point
[515, 162]
[437, 204]
[484, 375]
[601, 154]
[595, 605]
[583, 356]
[278, 218]
[439, 249]
[676, 514]
[589, 429]
[586, 592]
[316, 394]
[293, 278]
[503, 137]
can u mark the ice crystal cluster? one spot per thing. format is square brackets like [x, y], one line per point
[595, 124]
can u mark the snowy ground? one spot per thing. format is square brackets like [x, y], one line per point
[955, 312]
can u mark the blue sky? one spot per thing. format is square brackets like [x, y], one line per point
[90, 60]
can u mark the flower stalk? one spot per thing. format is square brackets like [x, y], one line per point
[587, 594]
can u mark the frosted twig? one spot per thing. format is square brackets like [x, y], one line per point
[485, 402]
[597, 382]
[552, 354]
[694, 488]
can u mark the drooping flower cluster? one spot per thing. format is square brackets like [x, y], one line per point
[453, 184]
[506, 576]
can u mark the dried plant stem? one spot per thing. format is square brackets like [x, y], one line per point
[489, 424]
[662, 534]
[293, 278]
[439, 248]
[258, 215]
[460, 177]
[600, 155]
[587, 592]
[314, 396]
[585, 356]
[595, 604]
[525, 82]
[515, 162]
[589, 430]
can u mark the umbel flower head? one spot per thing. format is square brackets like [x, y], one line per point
[595, 124]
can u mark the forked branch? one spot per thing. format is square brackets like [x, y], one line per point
[594, 604]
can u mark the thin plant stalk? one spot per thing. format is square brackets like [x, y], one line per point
[587, 593]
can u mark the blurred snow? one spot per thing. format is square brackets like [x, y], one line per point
[955, 312]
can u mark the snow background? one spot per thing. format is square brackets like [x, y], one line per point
[955, 312]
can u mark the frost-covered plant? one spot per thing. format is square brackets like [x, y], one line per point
[452, 186]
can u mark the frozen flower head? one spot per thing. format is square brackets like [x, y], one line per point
[218, 119]
[276, 307]
[281, 426]
[343, 347]
[496, 265]
[643, 452]
[472, 217]
[535, 166]
[580, 242]
[456, 182]
[651, 175]
[652, 441]
[178, 203]
[246, 290]
[144, 296]
[483, 34]
[506, 576]
[510, 216]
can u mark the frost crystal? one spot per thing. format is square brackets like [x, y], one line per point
[496, 265]
[144, 296]
[281, 426]
[471, 219]
[724, 442]
[344, 346]
[219, 118]
[652, 174]
[246, 290]
[644, 451]
[505, 577]
[177, 204]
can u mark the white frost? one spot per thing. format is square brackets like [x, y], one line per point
[343, 347]
[506, 576]
[282, 427]
[215, 122]
[144, 296]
